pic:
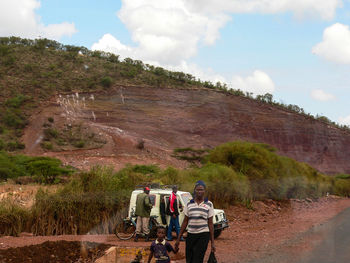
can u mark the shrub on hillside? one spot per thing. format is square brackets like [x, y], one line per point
[270, 175]
[50, 133]
[342, 187]
[106, 82]
[17, 101]
[14, 119]
[225, 186]
[42, 169]
[46, 170]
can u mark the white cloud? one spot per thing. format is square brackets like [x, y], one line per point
[335, 45]
[110, 44]
[166, 31]
[258, 83]
[325, 8]
[169, 32]
[344, 120]
[18, 18]
[320, 95]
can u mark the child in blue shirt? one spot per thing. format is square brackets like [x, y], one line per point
[160, 248]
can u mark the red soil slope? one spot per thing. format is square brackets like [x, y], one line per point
[173, 118]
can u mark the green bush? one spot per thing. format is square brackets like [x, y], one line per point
[225, 186]
[43, 169]
[106, 82]
[4, 173]
[172, 176]
[4, 50]
[270, 175]
[14, 119]
[342, 187]
[47, 145]
[79, 144]
[50, 133]
[46, 170]
[342, 176]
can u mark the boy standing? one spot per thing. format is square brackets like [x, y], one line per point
[160, 247]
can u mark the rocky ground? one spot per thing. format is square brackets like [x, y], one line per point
[263, 230]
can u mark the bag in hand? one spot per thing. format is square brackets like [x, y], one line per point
[212, 258]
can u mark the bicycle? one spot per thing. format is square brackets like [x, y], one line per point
[126, 229]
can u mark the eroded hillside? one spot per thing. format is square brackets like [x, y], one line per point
[168, 118]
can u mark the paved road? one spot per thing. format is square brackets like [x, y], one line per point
[335, 248]
[328, 243]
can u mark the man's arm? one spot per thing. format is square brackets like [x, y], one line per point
[170, 248]
[211, 231]
[182, 230]
[148, 202]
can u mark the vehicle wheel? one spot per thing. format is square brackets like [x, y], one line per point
[125, 230]
[217, 233]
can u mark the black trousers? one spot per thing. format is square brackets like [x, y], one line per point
[196, 245]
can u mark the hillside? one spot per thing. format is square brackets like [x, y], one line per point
[89, 108]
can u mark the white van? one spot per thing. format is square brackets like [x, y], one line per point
[159, 198]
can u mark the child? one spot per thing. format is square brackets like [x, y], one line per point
[160, 247]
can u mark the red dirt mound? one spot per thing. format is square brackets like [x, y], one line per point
[60, 251]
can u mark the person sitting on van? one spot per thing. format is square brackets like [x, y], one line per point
[143, 212]
[173, 211]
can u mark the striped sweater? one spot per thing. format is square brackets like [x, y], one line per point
[198, 215]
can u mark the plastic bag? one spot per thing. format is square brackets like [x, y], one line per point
[212, 258]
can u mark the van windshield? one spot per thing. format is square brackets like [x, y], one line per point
[186, 197]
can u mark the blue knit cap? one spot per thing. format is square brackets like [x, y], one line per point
[200, 182]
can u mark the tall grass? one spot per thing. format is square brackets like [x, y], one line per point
[13, 218]
[88, 204]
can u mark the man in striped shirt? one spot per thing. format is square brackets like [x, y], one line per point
[198, 219]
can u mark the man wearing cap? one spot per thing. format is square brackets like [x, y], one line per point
[143, 211]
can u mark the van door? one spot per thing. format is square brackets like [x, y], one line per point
[166, 200]
[181, 205]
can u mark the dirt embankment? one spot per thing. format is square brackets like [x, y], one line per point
[166, 119]
[253, 233]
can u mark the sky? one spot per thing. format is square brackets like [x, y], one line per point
[297, 50]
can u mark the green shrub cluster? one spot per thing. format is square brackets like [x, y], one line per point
[12, 121]
[270, 175]
[43, 170]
